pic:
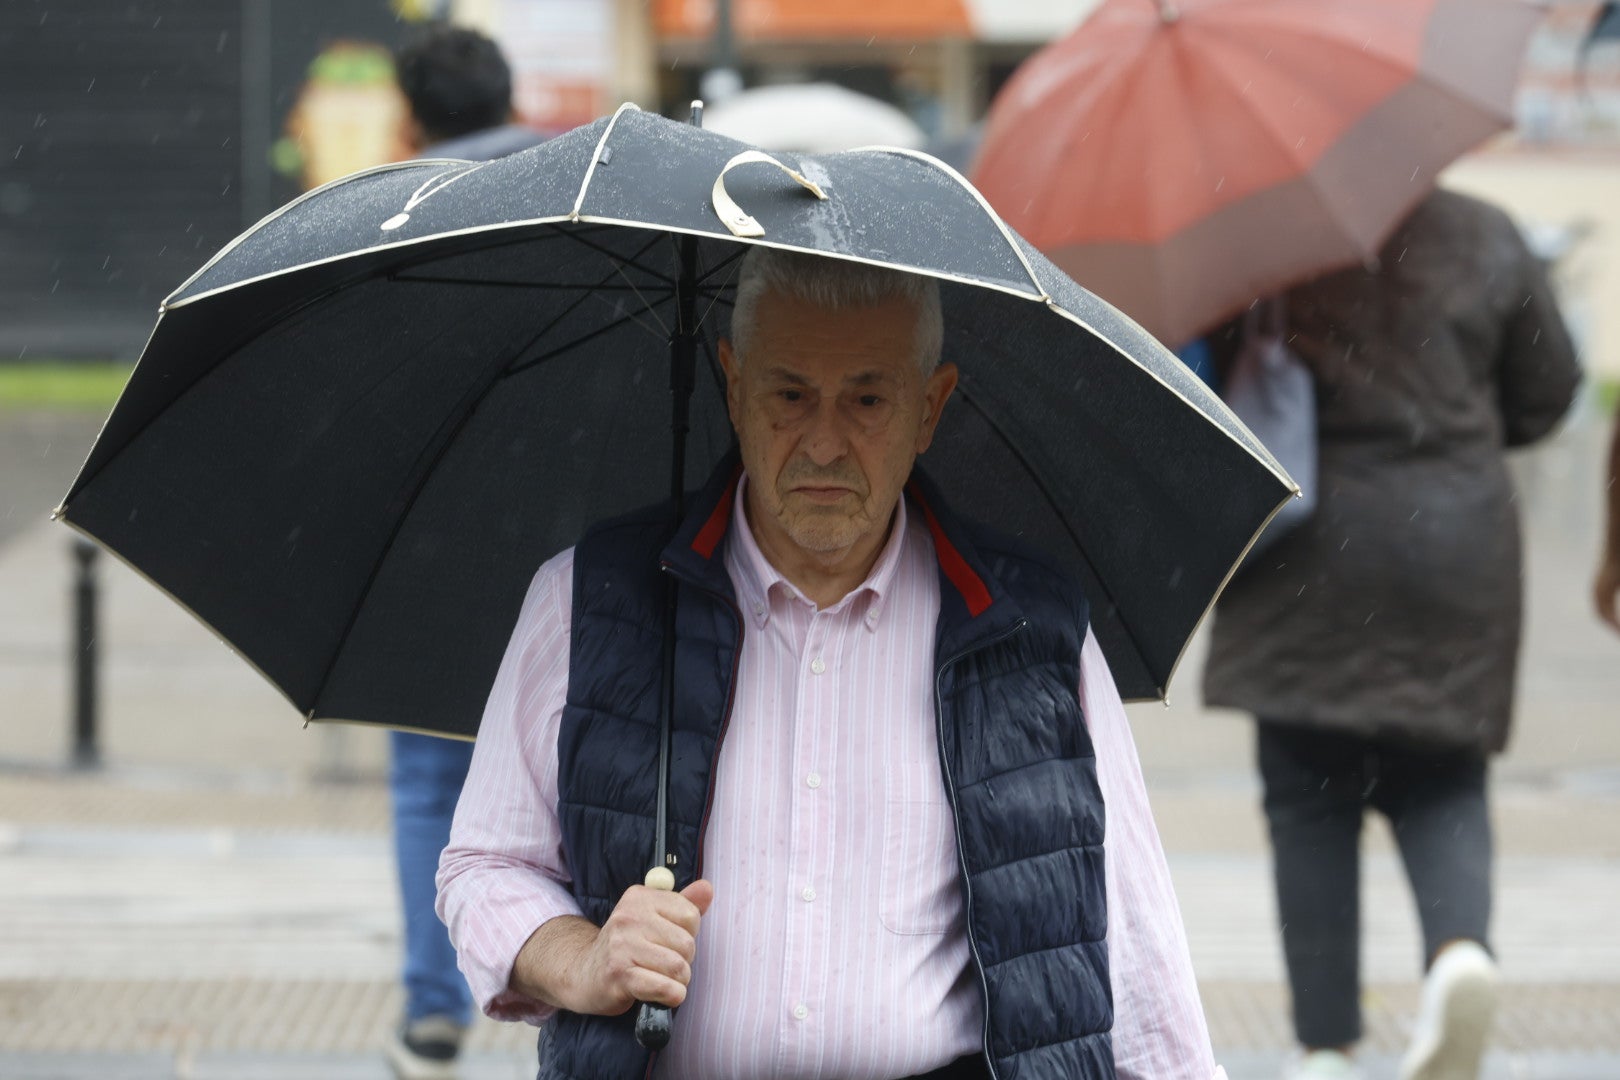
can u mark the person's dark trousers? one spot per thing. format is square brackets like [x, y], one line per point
[1317, 787]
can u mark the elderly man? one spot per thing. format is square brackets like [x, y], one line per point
[894, 738]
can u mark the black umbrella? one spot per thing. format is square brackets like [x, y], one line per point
[356, 433]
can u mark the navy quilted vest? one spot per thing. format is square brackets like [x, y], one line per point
[1013, 746]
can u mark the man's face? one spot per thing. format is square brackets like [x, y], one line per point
[831, 408]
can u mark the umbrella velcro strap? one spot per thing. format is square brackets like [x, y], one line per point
[735, 218]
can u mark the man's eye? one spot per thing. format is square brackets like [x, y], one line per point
[793, 395]
[870, 401]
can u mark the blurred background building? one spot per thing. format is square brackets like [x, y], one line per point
[144, 134]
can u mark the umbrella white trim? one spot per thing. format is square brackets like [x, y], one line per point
[308, 715]
[1267, 460]
[61, 515]
[280, 210]
[596, 157]
[978, 197]
[591, 219]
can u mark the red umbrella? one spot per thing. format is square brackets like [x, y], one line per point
[1180, 159]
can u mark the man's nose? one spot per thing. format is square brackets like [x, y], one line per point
[825, 440]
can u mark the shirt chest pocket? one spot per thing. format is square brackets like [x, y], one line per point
[920, 890]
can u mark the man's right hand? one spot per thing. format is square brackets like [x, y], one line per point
[642, 953]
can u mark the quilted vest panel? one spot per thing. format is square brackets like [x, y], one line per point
[1013, 746]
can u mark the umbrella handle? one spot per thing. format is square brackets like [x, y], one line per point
[654, 1022]
[735, 218]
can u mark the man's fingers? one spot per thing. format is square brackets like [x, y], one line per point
[645, 985]
[701, 894]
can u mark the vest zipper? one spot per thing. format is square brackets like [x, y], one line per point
[720, 737]
[956, 820]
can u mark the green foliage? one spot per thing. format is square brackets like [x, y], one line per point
[89, 385]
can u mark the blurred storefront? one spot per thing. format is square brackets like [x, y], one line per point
[940, 60]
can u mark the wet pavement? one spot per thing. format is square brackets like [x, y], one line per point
[217, 900]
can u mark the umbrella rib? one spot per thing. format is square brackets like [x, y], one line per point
[431, 456]
[620, 260]
[1052, 502]
[446, 436]
[715, 299]
[715, 372]
[571, 308]
[584, 339]
[544, 286]
[723, 264]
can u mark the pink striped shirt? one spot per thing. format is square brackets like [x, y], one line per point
[835, 945]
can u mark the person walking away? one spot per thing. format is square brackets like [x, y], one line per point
[460, 92]
[1376, 644]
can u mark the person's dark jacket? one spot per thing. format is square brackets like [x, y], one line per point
[1396, 610]
[1015, 756]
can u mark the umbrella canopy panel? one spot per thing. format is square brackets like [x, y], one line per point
[1183, 166]
[351, 468]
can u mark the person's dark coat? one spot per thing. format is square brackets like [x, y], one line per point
[1395, 611]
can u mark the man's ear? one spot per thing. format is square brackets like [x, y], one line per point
[936, 391]
[730, 363]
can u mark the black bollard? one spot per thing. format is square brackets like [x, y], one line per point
[86, 752]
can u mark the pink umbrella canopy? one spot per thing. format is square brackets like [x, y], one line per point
[1182, 159]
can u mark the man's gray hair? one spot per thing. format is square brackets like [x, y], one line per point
[835, 284]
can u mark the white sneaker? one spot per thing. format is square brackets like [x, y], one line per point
[1454, 1019]
[1323, 1065]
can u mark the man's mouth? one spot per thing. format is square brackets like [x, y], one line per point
[822, 494]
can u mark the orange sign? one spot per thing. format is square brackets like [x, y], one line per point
[776, 20]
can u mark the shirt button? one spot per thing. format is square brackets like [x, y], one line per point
[818, 665]
[808, 894]
[800, 1012]
[814, 779]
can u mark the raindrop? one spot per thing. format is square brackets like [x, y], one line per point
[91, 87]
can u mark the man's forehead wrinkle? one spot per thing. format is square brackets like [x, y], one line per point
[870, 377]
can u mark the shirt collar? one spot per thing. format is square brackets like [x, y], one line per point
[755, 579]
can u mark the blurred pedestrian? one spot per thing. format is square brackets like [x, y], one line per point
[1606, 588]
[460, 92]
[1377, 642]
